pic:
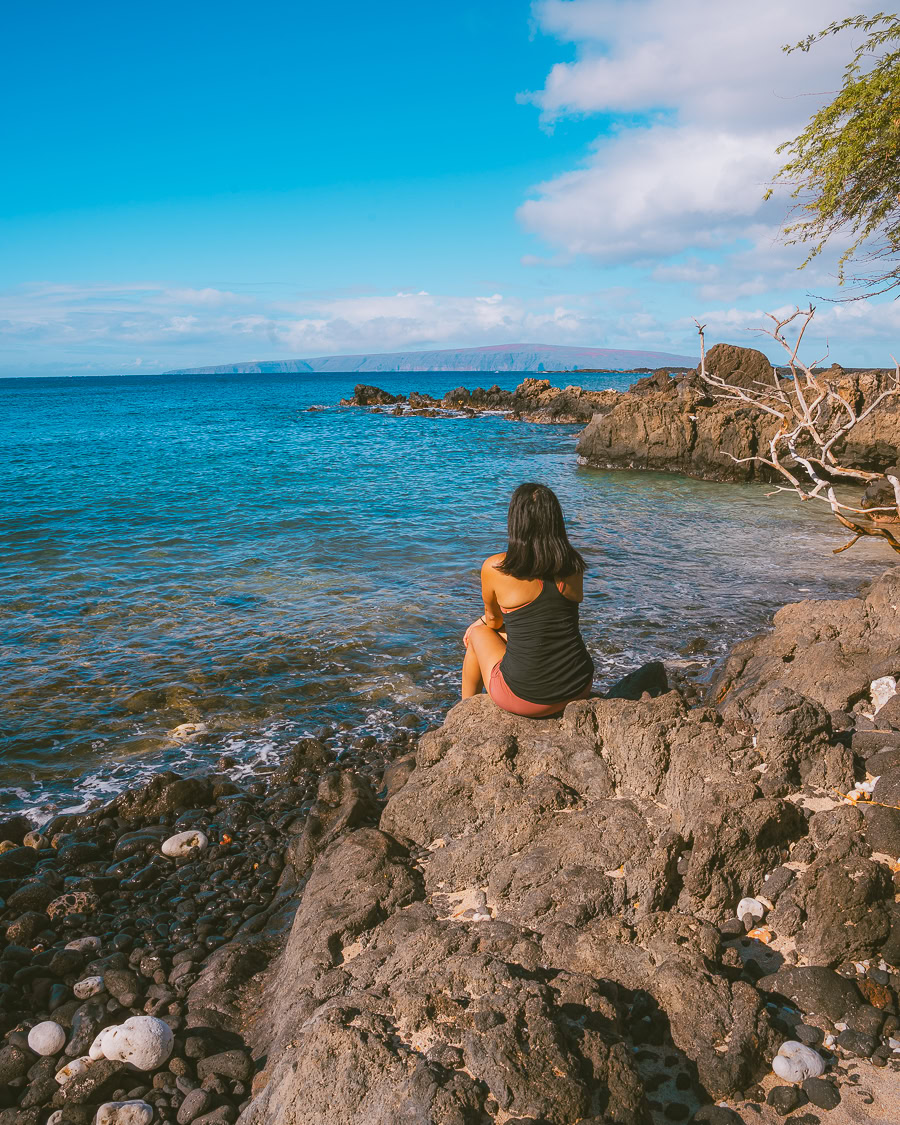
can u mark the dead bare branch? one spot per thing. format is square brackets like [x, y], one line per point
[814, 418]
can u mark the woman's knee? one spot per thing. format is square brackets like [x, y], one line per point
[477, 627]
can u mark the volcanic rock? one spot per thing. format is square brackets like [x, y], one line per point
[814, 989]
[827, 651]
[682, 424]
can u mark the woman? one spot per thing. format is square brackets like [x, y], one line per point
[527, 646]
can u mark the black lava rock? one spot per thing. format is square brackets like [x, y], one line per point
[716, 1115]
[857, 1043]
[822, 1093]
[785, 1099]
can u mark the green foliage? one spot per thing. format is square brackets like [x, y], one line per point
[844, 168]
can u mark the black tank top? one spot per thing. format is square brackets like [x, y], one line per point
[546, 660]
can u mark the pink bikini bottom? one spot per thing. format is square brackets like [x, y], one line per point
[509, 701]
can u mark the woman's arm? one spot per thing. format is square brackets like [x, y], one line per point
[572, 587]
[493, 614]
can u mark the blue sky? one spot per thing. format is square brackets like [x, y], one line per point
[201, 183]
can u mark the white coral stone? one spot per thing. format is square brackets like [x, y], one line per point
[46, 1038]
[183, 843]
[750, 906]
[124, 1113]
[143, 1041]
[90, 986]
[796, 1062]
[95, 1051]
[73, 1069]
[881, 691]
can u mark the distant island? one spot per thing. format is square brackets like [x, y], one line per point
[495, 357]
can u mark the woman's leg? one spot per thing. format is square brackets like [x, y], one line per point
[486, 648]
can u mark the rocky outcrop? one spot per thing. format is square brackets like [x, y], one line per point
[676, 424]
[534, 400]
[544, 919]
[618, 916]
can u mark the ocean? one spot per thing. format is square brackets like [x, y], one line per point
[193, 566]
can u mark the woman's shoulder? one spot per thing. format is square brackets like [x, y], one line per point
[493, 561]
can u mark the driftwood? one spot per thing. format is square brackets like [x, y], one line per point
[814, 417]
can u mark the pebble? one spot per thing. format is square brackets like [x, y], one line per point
[750, 907]
[785, 1099]
[717, 1115]
[195, 1104]
[823, 1094]
[796, 1062]
[47, 1038]
[124, 1113]
[881, 691]
[143, 1041]
[88, 944]
[90, 986]
[74, 902]
[73, 1069]
[857, 1043]
[236, 1065]
[185, 844]
[810, 1036]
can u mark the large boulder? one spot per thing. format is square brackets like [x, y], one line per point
[679, 425]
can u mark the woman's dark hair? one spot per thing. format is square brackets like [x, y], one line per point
[538, 544]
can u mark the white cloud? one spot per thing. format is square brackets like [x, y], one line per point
[112, 327]
[211, 298]
[714, 95]
[854, 334]
[654, 192]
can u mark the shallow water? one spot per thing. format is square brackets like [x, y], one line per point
[208, 550]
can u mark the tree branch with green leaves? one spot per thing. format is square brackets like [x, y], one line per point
[844, 168]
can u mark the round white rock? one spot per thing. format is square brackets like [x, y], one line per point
[750, 906]
[124, 1113]
[795, 1062]
[183, 843]
[143, 1041]
[46, 1038]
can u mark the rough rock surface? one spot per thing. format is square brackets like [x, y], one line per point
[522, 922]
[534, 400]
[547, 903]
[677, 424]
[827, 651]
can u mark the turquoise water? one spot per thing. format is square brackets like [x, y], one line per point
[209, 550]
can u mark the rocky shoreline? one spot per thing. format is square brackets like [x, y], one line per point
[534, 400]
[625, 915]
[670, 420]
